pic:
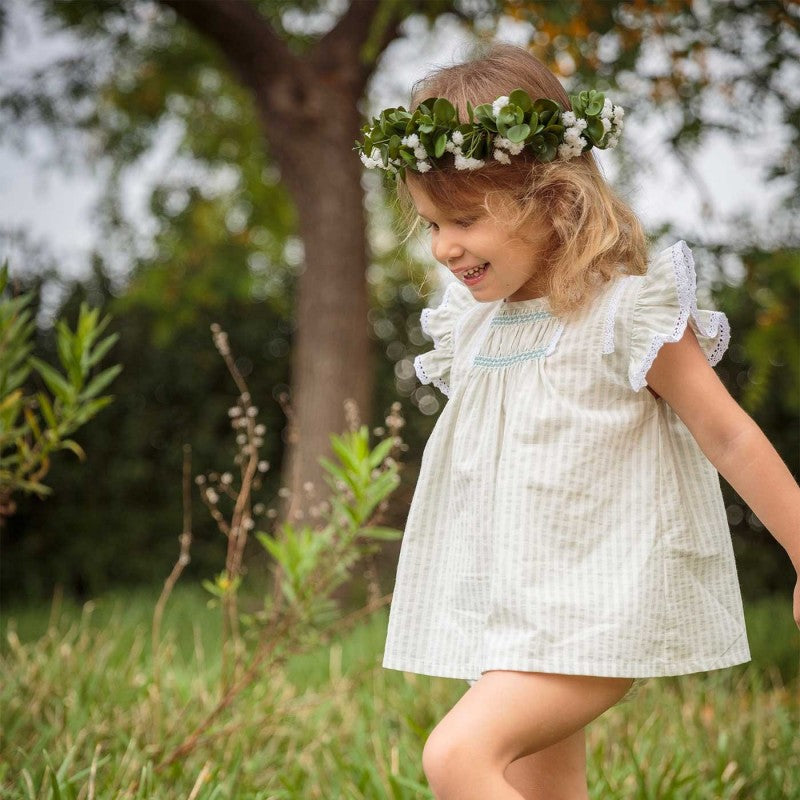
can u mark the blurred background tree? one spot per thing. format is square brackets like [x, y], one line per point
[266, 230]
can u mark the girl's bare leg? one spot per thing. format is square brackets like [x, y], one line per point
[505, 716]
[557, 772]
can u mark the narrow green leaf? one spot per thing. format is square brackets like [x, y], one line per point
[333, 469]
[377, 532]
[34, 487]
[30, 417]
[101, 349]
[100, 382]
[55, 382]
[69, 444]
[47, 410]
[380, 452]
[344, 454]
[82, 416]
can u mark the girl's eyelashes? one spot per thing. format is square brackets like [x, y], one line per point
[464, 223]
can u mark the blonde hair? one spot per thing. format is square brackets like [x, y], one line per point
[593, 234]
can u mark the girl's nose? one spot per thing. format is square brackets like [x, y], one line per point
[446, 248]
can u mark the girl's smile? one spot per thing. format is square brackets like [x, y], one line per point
[474, 275]
[483, 254]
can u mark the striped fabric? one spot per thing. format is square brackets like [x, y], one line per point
[564, 518]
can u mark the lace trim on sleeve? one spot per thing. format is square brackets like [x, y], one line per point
[423, 377]
[710, 324]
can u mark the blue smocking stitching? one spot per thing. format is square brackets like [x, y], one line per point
[502, 361]
[522, 316]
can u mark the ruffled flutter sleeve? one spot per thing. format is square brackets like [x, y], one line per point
[663, 305]
[440, 324]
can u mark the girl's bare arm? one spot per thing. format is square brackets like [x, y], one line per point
[731, 440]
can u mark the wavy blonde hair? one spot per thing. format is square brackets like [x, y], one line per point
[593, 234]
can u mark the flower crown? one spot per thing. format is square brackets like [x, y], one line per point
[398, 140]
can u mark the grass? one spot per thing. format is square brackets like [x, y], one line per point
[84, 717]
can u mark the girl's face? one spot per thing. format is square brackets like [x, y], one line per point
[516, 266]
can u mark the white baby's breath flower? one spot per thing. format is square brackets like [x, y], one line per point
[412, 140]
[606, 124]
[463, 162]
[449, 147]
[498, 105]
[501, 156]
[211, 496]
[515, 148]
[567, 150]
[420, 152]
[458, 138]
[568, 118]
[226, 478]
[423, 166]
[608, 109]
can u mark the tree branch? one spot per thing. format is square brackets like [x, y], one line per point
[243, 35]
[352, 32]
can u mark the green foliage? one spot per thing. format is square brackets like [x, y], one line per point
[174, 389]
[315, 560]
[32, 426]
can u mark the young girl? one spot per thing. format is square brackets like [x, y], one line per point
[567, 537]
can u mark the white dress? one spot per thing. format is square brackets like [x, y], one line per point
[564, 518]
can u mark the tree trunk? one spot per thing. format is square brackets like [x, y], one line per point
[332, 353]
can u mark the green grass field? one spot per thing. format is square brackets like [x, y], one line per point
[84, 716]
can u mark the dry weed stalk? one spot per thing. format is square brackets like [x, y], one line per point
[285, 629]
[185, 540]
[249, 437]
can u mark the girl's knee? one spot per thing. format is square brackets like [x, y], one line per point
[439, 759]
[447, 762]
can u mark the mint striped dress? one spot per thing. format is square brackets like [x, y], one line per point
[564, 518]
